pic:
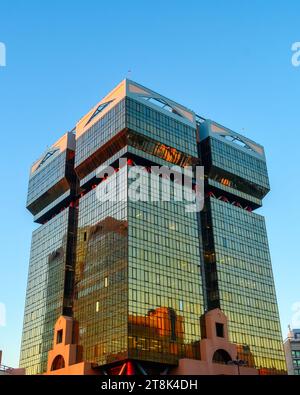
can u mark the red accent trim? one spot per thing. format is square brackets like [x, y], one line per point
[210, 194]
[225, 199]
[130, 368]
[122, 369]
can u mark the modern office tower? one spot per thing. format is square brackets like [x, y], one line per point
[138, 290]
[136, 275]
[238, 269]
[292, 352]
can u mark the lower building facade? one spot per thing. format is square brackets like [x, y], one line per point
[216, 354]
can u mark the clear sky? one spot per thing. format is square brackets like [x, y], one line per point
[230, 61]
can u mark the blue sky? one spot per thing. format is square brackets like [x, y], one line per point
[227, 60]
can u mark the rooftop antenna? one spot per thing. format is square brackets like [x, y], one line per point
[128, 73]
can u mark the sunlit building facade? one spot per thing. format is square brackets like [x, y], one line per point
[144, 297]
[238, 268]
[137, 275]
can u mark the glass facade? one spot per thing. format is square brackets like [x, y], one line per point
[238, 269]
[103, 130]
[52, 176]
[138, 292]
[165, 287]
[239, 163]
[137, 275]
[47, 177]
[235, 168]
[160, 127]
[240, 281]
[101, 279]
[52, 186]
[45, 291]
